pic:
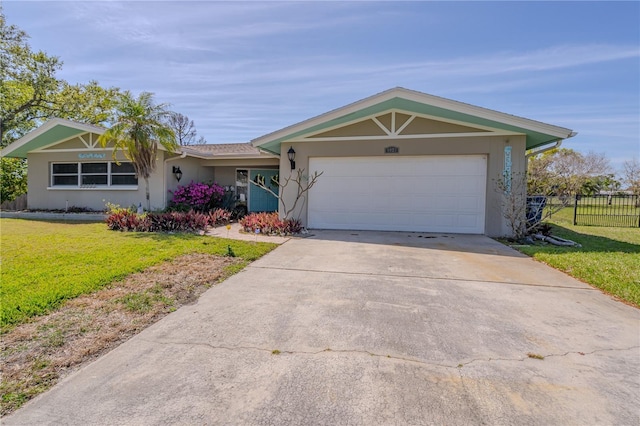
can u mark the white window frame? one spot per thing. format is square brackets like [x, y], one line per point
[247, 186]
[79, 174]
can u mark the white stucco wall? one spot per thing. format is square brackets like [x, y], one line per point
[41, 195]
[192, 171]
[492, 146]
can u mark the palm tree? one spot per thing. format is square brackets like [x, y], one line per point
[139, 127]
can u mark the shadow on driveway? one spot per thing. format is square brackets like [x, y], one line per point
[436, 241]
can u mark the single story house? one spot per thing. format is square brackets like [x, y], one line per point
[399, 160]
[67, 167]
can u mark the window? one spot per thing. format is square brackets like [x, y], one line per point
[64, 174]
[242, 185]
[123, 174]
[93, 175]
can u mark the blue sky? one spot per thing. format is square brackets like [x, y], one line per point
[244, 69]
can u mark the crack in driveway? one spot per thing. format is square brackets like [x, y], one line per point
[549, 355]
[276, 351]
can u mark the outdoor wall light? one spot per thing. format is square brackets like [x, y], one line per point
[177, 172]
[292, 158]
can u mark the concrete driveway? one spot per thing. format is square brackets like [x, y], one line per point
[370, 328]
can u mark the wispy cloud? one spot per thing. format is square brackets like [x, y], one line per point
[207, 26]
[291, 68]
[242, 69]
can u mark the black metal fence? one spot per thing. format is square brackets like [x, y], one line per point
[607, 210]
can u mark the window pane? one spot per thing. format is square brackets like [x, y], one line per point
[94, 167]
[124, 180]
[94, 180]
[65, 168]
[242, 178]
[65, 180]
[122, 168]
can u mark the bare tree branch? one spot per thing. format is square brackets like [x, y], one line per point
[520, 210]
[184, 128]
[303, 184]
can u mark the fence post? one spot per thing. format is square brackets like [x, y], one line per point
[575, 211]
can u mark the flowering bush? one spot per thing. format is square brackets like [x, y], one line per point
[270, 224]
[197, 196]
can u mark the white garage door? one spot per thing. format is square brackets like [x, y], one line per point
[420, 194]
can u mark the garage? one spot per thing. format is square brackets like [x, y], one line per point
[402, 160]
[430, 193]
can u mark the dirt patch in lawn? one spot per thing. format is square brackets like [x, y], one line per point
[36, 355]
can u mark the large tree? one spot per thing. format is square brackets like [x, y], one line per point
[31, 93]
[566, 172]
[184, 129]
[28, 81]
[139, 128]
[631, 177]
[26, 78]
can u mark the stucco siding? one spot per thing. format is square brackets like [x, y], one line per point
[362, 128]
[491, 146]
[226, 176]
[191, 169]
[41, 195]
[424, 126]
[74, 143]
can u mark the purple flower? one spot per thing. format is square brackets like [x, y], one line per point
[198, 196]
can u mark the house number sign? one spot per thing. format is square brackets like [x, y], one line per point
[93, 155]
[507, 169]
[391, 150]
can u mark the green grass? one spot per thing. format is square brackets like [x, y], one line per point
[599, 214]
[608, 259]
[46, 263]
[564, 215]
[144, 301]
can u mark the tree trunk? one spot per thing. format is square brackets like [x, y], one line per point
[146, 190]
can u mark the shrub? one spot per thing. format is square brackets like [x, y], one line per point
[197, 196]
[125, 220]
[292, 226]
[219, 217]
[270, 224]
[177, 222]
[111, 208]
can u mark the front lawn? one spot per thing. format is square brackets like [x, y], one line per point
[46, 263]
[608, 259]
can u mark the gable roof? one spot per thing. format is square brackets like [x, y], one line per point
[401, 99]
[57, 130]
[50, 133]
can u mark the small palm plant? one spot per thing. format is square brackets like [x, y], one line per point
[139, 127]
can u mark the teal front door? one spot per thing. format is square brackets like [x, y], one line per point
[259, 199]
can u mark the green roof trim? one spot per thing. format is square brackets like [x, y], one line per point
[54, 135]
[49, 134]
[534, 139]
